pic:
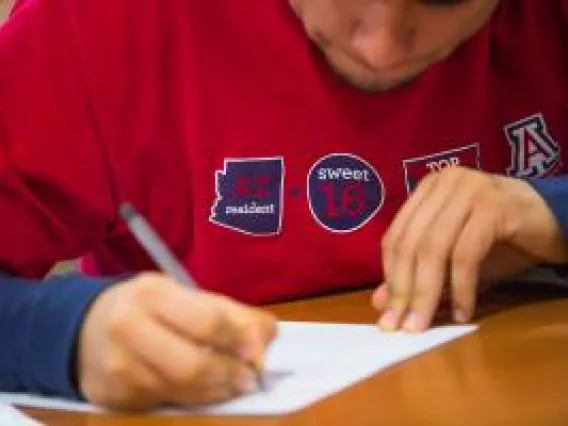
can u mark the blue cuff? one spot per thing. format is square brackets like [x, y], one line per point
[554, 191]
[39, 325]
[53, 334]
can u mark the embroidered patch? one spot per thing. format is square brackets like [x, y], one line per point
[417, 168]
[250, 196]
[534, 152]
[344, 192]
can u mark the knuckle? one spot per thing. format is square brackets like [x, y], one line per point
[115, 369]
[481, 189]
[149, 279]
[146, 290]
[191, 373]
[404, 248]
[119, 324]
[428, 178]
[212, 325]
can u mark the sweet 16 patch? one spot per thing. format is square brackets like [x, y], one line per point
[250, 196]
[417, 168]
[344, 192]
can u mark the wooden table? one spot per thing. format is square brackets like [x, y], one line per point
[513, 371]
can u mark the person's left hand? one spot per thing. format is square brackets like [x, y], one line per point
[458, 228]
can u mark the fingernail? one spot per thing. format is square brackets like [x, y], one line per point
[460, 315]
[246, 381]
[411, 322]
[387, 321]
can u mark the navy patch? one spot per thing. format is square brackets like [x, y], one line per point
[534, 153]
[344, 192]
[415, 169]
[250, 196]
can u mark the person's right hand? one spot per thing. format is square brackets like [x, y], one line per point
[149, 341]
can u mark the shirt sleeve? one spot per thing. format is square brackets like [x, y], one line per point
[554, 191]
[39, 325]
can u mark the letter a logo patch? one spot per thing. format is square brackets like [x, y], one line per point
[250, 196]
[534, 153]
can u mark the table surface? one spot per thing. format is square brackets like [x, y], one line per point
[513, 371]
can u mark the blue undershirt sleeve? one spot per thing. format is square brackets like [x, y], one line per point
[39, 325]
[554, 191]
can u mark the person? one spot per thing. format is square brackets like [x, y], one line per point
[417, 145]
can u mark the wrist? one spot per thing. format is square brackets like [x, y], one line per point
[530, 222]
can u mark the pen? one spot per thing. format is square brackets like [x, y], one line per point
[162, 256]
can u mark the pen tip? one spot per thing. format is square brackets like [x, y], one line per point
[261, 382]
[127, 211]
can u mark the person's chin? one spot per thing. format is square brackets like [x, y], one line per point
[377, 80]
[371, 82]
[379, 85]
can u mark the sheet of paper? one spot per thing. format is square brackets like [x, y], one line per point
[9, 416]
[306, 363]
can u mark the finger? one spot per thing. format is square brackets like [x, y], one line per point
[137, 388]
[198, 373]
[380, 298]
[256, 328]
[233, 378]
[211, 319]
[401, 219]
[397, 262]
[191, 314]
[409, 249]
[449, 209]
[426, 296]
[399, 290]
[472, 247]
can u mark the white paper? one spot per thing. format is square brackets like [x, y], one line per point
[9, 416]
[306, 363]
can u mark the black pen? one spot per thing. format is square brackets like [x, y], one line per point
[162, 256]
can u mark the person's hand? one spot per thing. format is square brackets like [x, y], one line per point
[149, 341]
[461, 227]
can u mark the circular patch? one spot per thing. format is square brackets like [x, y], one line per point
[344, 192]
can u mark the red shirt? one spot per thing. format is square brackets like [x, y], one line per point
[267, 175]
